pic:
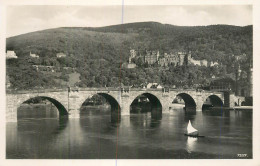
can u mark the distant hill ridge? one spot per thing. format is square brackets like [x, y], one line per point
[152, 25]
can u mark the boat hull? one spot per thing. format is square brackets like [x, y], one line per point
[193, 134]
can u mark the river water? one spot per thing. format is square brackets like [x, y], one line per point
[41, 134]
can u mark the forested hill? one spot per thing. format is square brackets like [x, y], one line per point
[96, 48]
[203, 41]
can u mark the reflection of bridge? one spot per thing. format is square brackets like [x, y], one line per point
[69, 102]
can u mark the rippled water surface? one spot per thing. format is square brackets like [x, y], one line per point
[39, 133]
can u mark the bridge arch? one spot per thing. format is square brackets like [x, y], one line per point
[112, 101]
[114, 105]
[188, 99]
[61, 108]
[212, 101]
[155, 106]
[154, 100]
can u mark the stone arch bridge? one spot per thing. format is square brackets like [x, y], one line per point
[70, 101]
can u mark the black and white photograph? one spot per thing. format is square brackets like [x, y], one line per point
[127, 81]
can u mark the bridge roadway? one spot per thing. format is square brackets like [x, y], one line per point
[70, 101]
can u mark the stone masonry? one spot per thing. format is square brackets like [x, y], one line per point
[72, 100]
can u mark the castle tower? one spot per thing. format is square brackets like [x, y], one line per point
[157, 56]
[132, 55]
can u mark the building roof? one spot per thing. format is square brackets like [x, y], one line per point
[225, 79]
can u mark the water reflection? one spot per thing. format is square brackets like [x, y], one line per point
[190, 117]
[63, 123]
[156, 114]
[146, 119]
[115, 113]
[140, 135]
[191, 144]
[37, 111]
[190, 110]
[216, 112]
[115, 116]
[107, 122]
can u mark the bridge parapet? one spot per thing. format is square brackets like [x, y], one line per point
[34, 91]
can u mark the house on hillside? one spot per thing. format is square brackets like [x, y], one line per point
[203, 62]
[60, 55]
[11, 55]
[128, 65]
[34, 55]
[154, 85]
[194, 62]
[197, 62]
[213, 64]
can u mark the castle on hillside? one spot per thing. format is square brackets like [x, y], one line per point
[151, 57]
[176, 59]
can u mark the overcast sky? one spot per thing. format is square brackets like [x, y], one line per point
[24, 19]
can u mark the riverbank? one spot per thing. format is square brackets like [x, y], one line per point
[244, 108]
[237, 108]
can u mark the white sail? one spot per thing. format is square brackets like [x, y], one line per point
[190, 129]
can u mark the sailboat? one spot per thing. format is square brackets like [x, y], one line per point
[191, 131]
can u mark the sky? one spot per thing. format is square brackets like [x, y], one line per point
[24, 19]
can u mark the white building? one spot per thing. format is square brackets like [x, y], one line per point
[154, 85]
[194, 62]
[204, 62]
[214, 64]
[11, 55]
[197, 62]
[34, 55]
[149, 85]
[60, 55]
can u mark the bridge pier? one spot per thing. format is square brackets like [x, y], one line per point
[11, 108]
[11, 115]
[199, 108]
[74, 113]
[125, 110]
[165, 107]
